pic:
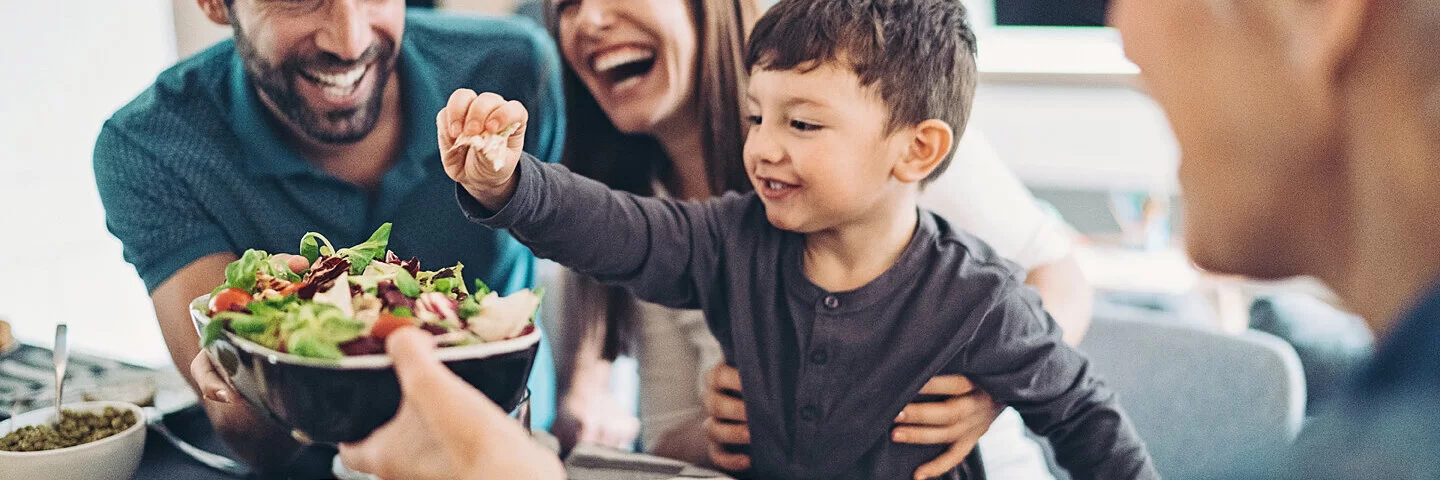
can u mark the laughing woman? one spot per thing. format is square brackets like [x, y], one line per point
[653, 90]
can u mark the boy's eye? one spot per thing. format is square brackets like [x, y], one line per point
[563, 5]
[753, 119]
[803, 126]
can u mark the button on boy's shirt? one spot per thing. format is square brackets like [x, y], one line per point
[825, 373]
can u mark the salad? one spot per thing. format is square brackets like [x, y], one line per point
[343, 302]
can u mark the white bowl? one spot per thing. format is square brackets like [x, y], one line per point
[115, 457]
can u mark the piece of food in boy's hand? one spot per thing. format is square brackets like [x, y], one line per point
[490, 146]
[346, 301]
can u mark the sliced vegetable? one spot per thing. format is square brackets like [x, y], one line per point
[361, 255]
[389, 323]
[228, 299]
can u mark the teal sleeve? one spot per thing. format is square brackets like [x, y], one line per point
[161, 225]
[546, 136]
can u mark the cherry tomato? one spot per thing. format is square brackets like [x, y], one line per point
[228, 299]
[387, 324]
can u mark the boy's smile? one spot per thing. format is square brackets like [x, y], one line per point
[818, 152]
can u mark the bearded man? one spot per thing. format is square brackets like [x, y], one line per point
[318, 115]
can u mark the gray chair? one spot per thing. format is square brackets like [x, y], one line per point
[1200, 399]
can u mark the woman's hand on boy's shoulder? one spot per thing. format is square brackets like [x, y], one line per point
[481, 138]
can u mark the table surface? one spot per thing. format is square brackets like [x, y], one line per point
[163, 461]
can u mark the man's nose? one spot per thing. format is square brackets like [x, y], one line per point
[346, 33]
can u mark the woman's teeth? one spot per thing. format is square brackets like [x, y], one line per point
[611, 60]
[774, 185]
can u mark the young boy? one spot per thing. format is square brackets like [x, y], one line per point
[827, 288]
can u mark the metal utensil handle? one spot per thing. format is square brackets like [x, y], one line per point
[62, 359]
[218, 462]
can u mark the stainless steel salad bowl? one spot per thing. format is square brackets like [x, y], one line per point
[343, 400]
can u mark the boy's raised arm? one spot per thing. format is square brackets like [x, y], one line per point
[1019, 358]
[664, 251]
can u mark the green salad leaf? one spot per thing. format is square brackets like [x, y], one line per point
[361, 255]
[407, 284]
[317, 330]
[312, 249]
[469, 307]
[212, 332]
[241, 273]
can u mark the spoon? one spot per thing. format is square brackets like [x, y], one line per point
[62, 358]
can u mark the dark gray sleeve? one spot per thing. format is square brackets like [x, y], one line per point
[1019, 358]
[664, 251]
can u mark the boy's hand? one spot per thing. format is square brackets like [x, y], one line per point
[481, 137]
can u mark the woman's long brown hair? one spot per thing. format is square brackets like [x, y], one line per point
[633, 163]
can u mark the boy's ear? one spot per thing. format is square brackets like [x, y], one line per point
[928, 145]
[215, 10]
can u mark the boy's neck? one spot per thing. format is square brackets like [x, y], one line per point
[850, 256]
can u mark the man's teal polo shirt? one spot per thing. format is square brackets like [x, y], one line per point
[196, 165]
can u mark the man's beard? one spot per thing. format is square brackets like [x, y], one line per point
[278, 83]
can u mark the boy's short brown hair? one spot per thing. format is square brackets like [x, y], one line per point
[921, 53]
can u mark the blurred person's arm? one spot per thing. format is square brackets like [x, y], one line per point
[1067, 295]
[980, 195]
[588, 412]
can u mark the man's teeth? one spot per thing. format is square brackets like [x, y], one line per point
[616, 58]
[344, 80]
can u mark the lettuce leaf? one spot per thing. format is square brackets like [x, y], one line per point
[213, 331]
[317, 330]
[241, 273]
[311, 249]
[407, 284]
[361, 255]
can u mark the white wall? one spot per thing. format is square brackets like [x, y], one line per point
[68, 65]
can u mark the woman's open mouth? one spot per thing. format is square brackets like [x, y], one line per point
[624, 67]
